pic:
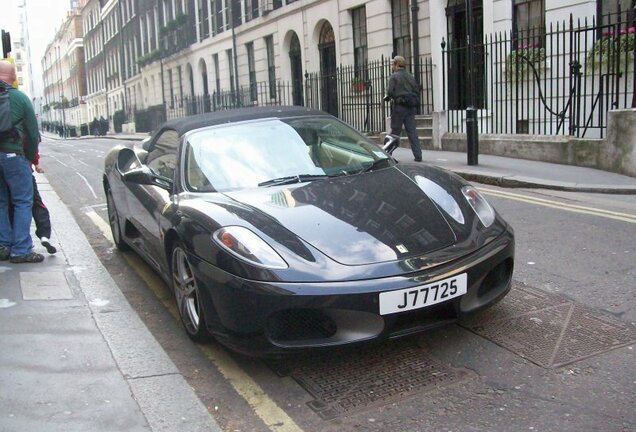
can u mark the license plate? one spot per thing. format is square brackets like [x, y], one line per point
[422, 296]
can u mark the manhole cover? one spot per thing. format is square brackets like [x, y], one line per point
[548, 329]
[343, 384]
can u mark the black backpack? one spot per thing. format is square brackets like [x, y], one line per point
[7, 128]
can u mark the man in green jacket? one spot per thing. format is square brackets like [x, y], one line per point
[15, 171]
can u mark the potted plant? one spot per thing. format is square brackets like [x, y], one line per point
[519, 60]
[358, 85]
[611, 46]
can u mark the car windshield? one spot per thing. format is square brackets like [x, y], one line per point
[270, 152]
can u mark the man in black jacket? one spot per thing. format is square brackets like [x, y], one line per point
[404, 91]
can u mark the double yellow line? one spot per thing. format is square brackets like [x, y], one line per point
[263, 406]
[623, 217]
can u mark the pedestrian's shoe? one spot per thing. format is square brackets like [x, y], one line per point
[418, 159]
[28, 258]
[47, 244]
[4, 253]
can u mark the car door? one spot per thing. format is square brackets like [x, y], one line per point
[148, 201]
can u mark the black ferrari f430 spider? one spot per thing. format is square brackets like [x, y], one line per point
[284, 229]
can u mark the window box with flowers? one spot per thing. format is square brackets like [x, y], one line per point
[611, 49]
[358, 85]
[519, 60]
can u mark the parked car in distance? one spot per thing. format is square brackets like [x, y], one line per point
[282, 229]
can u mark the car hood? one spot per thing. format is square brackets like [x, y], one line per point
[361, 219]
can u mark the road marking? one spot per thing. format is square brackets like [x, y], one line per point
[58, 161]
[101, 224]
[87, 184]
[623, 217]
[264, 407]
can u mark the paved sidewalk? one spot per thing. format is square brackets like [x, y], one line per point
[500, 171]
[521, 173]
[75, 356]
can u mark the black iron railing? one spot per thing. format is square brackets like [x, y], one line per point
[358, 92]
[564, 84]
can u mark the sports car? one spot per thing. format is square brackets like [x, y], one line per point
[282, 229]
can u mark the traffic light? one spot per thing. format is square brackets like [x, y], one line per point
[6, 44]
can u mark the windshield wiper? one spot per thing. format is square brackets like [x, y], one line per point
[293, 179]
[375, 165]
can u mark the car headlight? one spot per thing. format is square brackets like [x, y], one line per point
[441, 197]
[479, 204]
[247, 246]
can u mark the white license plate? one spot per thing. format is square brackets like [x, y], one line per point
[422, 296]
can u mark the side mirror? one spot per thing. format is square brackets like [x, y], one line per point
[145, 176]
[145, 143]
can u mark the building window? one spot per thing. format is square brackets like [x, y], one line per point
[217, 76]
[219, 11]
[230, 63]
[204, 25]
[251, 9]
[271, 68]
[528, 23]
[401, 28]
[180, 75]
[359, 21]
[615, 11]
[236, 12]
[171, 88]
[249, 47]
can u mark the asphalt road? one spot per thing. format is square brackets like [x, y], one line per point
[556, 355]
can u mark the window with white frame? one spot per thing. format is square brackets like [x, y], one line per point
[204, 25]
[251, 69]
[616, 11]
[528, 23]
[230, 61]
[217, 75]
[359, 23]
[271, 67]
[401, 29]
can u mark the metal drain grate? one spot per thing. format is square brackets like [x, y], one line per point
[343, 384]
[548, 329]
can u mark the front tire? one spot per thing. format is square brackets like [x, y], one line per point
[187, 295]
[113, 221]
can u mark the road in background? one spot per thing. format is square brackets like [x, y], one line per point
[533, 363]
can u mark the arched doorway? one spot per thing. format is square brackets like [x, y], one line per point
[328, 77]
[295, 59]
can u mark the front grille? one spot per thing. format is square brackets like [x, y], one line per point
[496, 279]
[295, 325]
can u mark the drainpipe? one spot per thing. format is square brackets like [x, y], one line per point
[416, 39]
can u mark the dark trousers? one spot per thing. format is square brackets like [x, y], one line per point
[403, 115]
[40, 213]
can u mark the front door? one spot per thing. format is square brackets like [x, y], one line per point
[457, 63]
[328, 77]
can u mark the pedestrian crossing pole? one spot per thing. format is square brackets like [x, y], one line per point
[472, 138]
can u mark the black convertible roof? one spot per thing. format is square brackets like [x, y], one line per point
[186, 124]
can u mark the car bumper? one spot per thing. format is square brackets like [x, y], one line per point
[269, 318]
